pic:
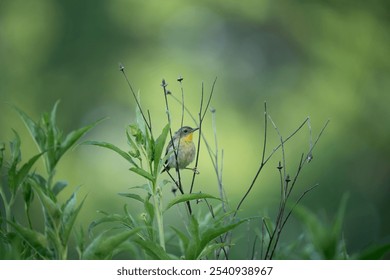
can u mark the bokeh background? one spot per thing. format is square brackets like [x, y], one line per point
[323, 59]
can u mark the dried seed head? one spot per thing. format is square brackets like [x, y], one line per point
[212, 110]
[279, 166]
[121, 67]
[180, 79]
[163, 83]
[288, 178]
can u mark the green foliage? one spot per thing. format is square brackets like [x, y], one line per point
[375, 252]
[106, 244]
[189, 197]
[19, 240]
[145, 158]
[326, 240]
[143, 235]
[198, 242]
[49, 138]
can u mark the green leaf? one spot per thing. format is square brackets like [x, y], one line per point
[130, 219]
[145, 187]
[53, 210]
[133, 196]
[15, 159]
[209, 249]
[134, 151]
[58, 187]
[51, 140]
[53, 114]
[269, 226]
[153, 249]
[139, 118]
[35, 240]
[158, 149]
[21, 175]
[182, 236]
[108, 218]
[28, 194]
[193, 249]
[188, 197]
[2, 148]
[15, 149]
[212, 233]
[136, 132]
[339, 220]
[200, 239]
[104, 245]
[72, 138]
[142, 173]
[114, 148]
[69, 215]
[375, 253]
[149, 211]
[35, 130]
[149, 145]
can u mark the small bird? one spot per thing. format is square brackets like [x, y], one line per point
[185, 149]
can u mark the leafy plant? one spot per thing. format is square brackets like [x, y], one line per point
[203, 234]
[27, 241]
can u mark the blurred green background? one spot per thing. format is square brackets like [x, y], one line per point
[323, 59]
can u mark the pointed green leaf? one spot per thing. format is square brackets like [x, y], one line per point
[145, 187]
[108, 218]
[130, 219]
[28, 194]
[35, 130]
[133, 196]
[53, 114]
[375, 253]
[213, 232]
[149, 145]
[209, 249]
[2, 149]
[338, 223]
[137, 134]
[194, 248]
[104, 245]
[142, 173]
[72, 138]
[69, 216]
[114, 148]
[23, 171]
[150, 211]
[49, 205]
[58, 187]
[158, 149]
[269, 226]
[51, 141]
[182, 236]
[34, 239]
[153, 249]
[134, 151]
[139, 118]
[188, 197]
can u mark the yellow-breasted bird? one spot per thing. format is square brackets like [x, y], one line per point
[185, 149]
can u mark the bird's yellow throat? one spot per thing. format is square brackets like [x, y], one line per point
[188, 138]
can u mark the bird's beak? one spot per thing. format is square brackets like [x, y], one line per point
[195, 129]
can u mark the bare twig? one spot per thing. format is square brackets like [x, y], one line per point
[199, 135]
[122, 69]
